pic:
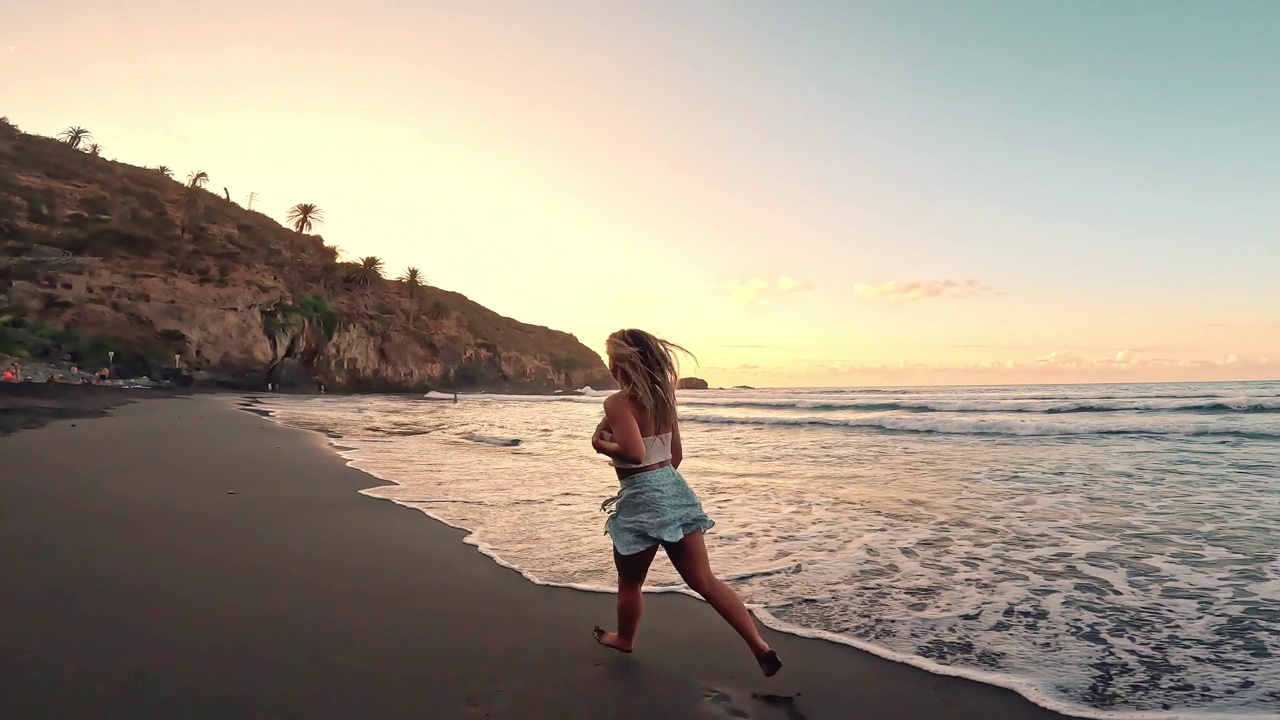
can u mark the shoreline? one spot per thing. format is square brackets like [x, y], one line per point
[995, 681]
[27, 406]
[209, 562]
[762, 616]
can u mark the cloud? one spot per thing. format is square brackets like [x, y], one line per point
[1126, 365]
[758, 292]
[1112, 368]
[1060, 359]
[1127, 360]
[920, 289]
[787, 284]
[1259, 324]
[1120, 359]
[745, 292]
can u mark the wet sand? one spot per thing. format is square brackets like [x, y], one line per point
[181, 557]
[24, 406]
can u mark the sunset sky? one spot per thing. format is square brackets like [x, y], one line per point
[802, 193]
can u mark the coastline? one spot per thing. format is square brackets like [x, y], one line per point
[1034, 694]
[298, 596]
[27, 406]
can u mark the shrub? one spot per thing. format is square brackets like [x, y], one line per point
[568, 363]
[41, 207]
[149, 202]
[437, 310]
[159, 224]
[112, 241]
[96, 205]
[91, 352]
[10, 206]
[313, 308]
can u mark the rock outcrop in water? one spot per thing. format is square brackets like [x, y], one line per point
[691, 383]
[99, 256]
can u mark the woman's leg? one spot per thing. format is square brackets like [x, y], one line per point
[690, 559]
[632, 570]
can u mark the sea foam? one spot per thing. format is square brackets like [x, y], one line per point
[1117, 564]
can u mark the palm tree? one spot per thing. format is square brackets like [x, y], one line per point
[75, 135]
[412, 280]
[198, 179]
[165, 170]
[367, 272]
[94, 149]
[342, 255]
[304, 216]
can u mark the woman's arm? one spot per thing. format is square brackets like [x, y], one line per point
[627, 443]
[677, 447]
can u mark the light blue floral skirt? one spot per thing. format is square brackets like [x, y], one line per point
[653, 507]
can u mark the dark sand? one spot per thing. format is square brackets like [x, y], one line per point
[24, 406]
[136, 586]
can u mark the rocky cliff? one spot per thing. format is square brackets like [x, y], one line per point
[97, 256]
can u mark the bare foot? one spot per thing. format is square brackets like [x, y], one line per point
[769, 663]
[611, 640]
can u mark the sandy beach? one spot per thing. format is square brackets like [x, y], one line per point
[181, 557]
[24, 406]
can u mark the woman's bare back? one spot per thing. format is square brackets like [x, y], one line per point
[647, 427]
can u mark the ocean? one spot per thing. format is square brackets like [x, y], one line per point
[1107, 550]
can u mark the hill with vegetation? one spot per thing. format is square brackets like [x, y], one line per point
[101, 261]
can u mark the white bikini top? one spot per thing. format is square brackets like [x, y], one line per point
[657, 448]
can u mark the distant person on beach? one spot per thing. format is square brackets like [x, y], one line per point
[640, 433]
[13, 373]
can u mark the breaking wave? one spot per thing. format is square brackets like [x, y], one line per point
[988, 426]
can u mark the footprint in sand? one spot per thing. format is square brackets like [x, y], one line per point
[773, 704]
[786, 702]
[725, 703]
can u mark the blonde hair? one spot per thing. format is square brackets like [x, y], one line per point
[649, 373]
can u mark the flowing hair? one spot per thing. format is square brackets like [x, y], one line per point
[649, 373]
